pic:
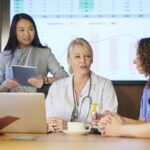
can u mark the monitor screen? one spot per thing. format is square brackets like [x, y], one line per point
[112, 28]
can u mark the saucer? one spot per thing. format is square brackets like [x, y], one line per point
[83, 132]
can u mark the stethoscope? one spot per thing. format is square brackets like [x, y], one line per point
[86, 98]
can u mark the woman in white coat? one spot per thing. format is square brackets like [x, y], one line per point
[70, 99]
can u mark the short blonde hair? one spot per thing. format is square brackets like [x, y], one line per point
[82, 42]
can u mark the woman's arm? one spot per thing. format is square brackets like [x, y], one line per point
[124, 120]
[135, 130]
[50, 80]
[54, 66]
[132, 121]
[111, 126]
[109, 102]
[8, 84]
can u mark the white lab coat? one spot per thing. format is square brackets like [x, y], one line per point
[60, 101]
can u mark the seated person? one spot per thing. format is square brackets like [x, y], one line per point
[113, 124]
[70, 99]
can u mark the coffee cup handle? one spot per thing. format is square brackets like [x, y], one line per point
[88, 127]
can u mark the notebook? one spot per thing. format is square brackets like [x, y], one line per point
[28, 107]
[23, 73]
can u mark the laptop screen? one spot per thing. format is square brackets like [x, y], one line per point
[28, 107]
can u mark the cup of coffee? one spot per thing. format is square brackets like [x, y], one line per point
[78, 126]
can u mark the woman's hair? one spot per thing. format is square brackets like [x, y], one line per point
[12, 42]
[83, 43]
[143, 51]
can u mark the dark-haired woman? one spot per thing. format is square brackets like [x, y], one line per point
[25, 49]
[113, 124]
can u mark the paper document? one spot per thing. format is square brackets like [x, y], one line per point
[5, 121]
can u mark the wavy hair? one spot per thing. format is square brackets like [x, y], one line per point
[143, 50]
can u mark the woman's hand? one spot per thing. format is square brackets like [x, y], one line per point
[110, 125]
[56, 125]
[95, 118]
[9, 84]
[36, 81]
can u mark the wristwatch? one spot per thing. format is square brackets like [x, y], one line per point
[45, 80]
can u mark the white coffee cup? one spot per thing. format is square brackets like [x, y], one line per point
[78, 126]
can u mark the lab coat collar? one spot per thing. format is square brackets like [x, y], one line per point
[94, 78]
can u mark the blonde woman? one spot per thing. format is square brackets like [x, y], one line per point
[70, 99]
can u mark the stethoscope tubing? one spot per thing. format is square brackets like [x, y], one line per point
[86, 97]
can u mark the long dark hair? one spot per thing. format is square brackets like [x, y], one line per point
[12, 42]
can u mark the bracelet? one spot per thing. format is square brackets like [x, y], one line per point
[46, 80]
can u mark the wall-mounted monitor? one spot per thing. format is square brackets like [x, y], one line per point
[112, 27]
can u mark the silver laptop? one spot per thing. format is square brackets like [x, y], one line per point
[29, 108]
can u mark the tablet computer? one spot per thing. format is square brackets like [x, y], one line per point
[23, 73]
